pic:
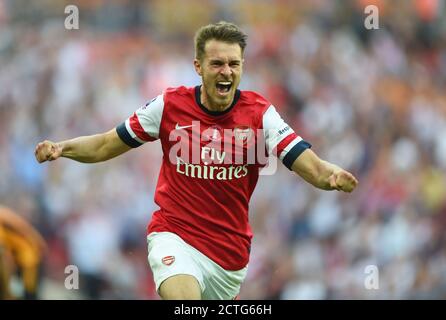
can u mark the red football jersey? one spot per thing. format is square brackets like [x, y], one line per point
[211, 163]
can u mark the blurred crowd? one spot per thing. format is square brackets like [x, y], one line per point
[372, 101]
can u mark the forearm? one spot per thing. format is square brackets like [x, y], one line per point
[94, 148]
[315, 170]
[87, 149]
[323, 174]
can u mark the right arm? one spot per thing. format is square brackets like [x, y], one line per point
[88, 149]
[141, 127]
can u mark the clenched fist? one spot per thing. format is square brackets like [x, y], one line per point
[343, 181]
[47, 151]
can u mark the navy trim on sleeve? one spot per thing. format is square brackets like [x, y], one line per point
[126, 137]
[295, 152]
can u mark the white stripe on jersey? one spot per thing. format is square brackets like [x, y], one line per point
[149, 117]
[132, 134]
[275, 129]
[289, 147]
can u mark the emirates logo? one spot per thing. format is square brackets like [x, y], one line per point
[168, 260]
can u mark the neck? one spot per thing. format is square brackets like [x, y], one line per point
[205, 101]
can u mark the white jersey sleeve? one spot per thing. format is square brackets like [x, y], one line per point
[143, 125]
[280, 138]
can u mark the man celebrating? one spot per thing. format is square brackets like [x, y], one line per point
[212, 138]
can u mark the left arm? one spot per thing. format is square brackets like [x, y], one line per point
[323, 174]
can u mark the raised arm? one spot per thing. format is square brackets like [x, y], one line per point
[323, 174]
[88, 149]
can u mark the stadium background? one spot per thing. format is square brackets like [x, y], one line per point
[373, 101]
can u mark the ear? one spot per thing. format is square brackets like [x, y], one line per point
[197, 66]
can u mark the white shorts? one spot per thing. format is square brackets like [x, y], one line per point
[169, 255]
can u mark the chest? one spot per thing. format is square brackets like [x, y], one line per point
[200, 138]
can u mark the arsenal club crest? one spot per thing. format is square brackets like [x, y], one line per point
[168, 260]
[213, 133]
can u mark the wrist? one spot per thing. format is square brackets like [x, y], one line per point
[62, 147]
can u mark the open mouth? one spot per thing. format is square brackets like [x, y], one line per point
[223, 87]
